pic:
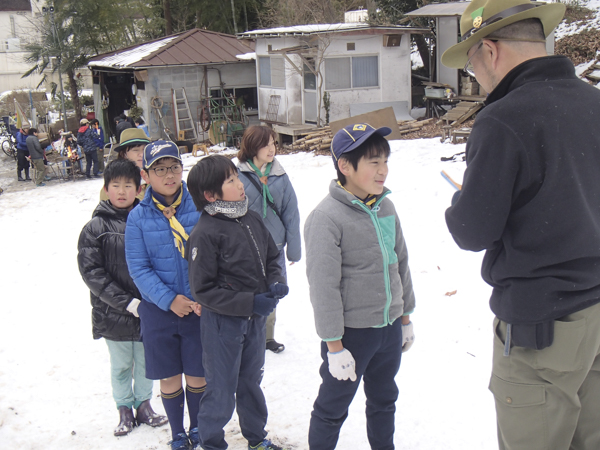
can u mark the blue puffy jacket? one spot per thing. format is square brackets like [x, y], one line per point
[154, 262]
[22, 141]
[284, 229]
[98, 137]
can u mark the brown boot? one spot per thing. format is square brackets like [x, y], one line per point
[126, 421]
[145, 414]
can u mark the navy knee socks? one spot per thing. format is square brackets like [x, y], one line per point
[193, 396]
[173, 404]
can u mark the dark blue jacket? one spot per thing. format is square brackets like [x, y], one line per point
[284, 229]
[21, 141]
[155, 264]
[98, 137]
[85, 139]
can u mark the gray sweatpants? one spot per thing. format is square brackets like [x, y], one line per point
[550, 399]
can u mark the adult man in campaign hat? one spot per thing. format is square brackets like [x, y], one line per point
[531, 199]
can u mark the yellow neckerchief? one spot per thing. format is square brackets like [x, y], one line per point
[369, 200]
[181, 236]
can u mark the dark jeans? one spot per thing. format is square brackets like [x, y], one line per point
[233, 359]
[22, 162]
[91, 157]
[377, 353]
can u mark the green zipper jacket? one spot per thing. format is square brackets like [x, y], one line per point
[356, 263]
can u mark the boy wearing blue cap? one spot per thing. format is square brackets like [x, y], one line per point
[155, 246]
[360, 289]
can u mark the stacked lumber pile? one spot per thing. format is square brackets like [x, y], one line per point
[320, 139]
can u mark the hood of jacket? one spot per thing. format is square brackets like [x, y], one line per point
[83, 129]
[106, 209]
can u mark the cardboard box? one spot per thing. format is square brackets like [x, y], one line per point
[471, 91]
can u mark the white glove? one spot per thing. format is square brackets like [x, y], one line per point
[133, 306]
[341, 365]
[408, 336]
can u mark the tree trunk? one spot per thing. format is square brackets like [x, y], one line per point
[423, 51]
[168, 18]
[74, 94]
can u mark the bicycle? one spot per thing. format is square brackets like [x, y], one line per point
[8, 142]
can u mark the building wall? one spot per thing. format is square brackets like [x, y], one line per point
[394, 75]
[162, 80]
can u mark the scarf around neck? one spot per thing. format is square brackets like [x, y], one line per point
[177, 229]
[265, 187]
[233, 210]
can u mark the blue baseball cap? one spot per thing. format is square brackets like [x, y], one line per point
[160, 149]
[351, 137]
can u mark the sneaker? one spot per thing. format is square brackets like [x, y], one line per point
[194, 439]
[145, 414]
[180, 442]
[40, 185]
[266, 445]
[275, 346]
[47, 178]
[126, 421]
[20, 178]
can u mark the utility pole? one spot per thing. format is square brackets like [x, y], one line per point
[50, 10]
[233, 14]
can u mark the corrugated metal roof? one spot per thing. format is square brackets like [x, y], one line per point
[440, 9]
[189, 48]
[303, 30]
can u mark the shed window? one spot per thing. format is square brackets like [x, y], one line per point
[271, 71]
[351, 72]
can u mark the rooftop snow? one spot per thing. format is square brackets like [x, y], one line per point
[128, 57]
[313, 29]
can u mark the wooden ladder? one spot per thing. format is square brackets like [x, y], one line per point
[183, 116]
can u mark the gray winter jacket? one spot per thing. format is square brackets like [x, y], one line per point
[34, 147]
[356, 263]
[284, 229]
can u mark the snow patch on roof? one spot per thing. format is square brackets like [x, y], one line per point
[308, 29]
[128, 57]
[247, 56]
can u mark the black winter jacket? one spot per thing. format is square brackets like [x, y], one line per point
[225, 265]
[102, 265]
[531, 193]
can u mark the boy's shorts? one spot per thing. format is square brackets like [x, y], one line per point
[172, 344]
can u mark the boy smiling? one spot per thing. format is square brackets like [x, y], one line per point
[360, 289]
[155, 244]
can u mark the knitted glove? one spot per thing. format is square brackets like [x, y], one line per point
[264, 304]
[279, 290]
[133, 306]
[341, 365]
[408, 336]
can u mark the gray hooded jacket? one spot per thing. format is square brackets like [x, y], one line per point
[284, 229]
[356, 263]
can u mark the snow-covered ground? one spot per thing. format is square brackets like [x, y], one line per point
[55, 389]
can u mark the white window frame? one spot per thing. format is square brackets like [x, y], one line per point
[351, 71]
[276, 72]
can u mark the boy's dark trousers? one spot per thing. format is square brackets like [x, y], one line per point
[377, 353]
[91, 157]
[233, 359]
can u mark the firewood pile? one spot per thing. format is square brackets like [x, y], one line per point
[319, 141]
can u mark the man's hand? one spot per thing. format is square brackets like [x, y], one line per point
[182, 305]
[341, 365]
[408, 336]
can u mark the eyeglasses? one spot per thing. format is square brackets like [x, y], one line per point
[469, 66]
[162, 171]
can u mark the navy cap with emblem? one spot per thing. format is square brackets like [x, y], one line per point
[351, 137]
[160, 149]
